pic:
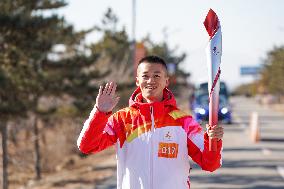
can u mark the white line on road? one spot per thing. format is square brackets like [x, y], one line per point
[266, 151]
[281, 171]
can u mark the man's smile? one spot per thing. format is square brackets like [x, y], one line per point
[150, 87]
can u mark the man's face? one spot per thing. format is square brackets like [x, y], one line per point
[152, 79]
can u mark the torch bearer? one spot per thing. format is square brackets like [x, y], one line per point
[213, 53]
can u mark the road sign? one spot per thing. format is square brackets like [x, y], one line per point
[250, 70]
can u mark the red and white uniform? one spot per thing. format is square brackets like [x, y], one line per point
[153, 143]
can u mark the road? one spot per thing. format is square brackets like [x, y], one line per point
[245, 164]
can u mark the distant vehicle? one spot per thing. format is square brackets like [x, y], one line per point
[202, 88]
[200, 104]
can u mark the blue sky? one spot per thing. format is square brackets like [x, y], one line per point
[250, 28]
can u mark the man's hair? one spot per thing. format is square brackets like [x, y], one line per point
[152, 59]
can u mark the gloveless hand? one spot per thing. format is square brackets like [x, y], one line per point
[216, 131]
[107, 99]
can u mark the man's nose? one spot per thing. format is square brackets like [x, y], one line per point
[151, 80]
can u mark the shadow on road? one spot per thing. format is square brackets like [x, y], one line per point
[272, 139]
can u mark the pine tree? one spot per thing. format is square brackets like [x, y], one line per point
[27, 39]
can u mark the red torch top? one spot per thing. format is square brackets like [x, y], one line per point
[211, 23]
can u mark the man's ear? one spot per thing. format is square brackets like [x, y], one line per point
[167, 81]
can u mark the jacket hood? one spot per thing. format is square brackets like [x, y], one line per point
[136, 98]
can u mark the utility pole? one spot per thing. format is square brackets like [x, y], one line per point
[133, 20]
[133, 45]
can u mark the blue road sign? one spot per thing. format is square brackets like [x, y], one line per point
[250, 70]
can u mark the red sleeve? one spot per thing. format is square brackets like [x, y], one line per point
[97, 133]
[198, 147]
[207, 160]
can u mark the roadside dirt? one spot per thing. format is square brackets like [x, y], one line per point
[77, 173]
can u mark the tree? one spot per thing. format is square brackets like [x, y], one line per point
[114, 49]
[179, 77]
[27, 40]
[272, 75]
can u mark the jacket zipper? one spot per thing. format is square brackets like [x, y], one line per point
[152, 148]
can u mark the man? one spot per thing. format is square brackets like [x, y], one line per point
[153, 137]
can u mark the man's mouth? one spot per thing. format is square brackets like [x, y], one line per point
[151, 87]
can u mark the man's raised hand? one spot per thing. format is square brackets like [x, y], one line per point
[106, 99]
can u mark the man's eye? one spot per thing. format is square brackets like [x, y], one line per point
[144, 76]
[157, 76]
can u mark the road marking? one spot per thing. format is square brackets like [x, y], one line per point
[266, 151]
[281, 171]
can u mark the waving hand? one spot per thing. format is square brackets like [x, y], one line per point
[107, 99]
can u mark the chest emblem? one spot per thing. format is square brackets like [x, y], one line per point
[168, 136]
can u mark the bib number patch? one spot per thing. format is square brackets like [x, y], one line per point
[168, 150]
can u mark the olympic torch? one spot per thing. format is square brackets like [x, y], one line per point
[213, 53]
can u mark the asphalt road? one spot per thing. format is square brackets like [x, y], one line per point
[247, 164]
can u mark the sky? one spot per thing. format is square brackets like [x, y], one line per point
[250, 28]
